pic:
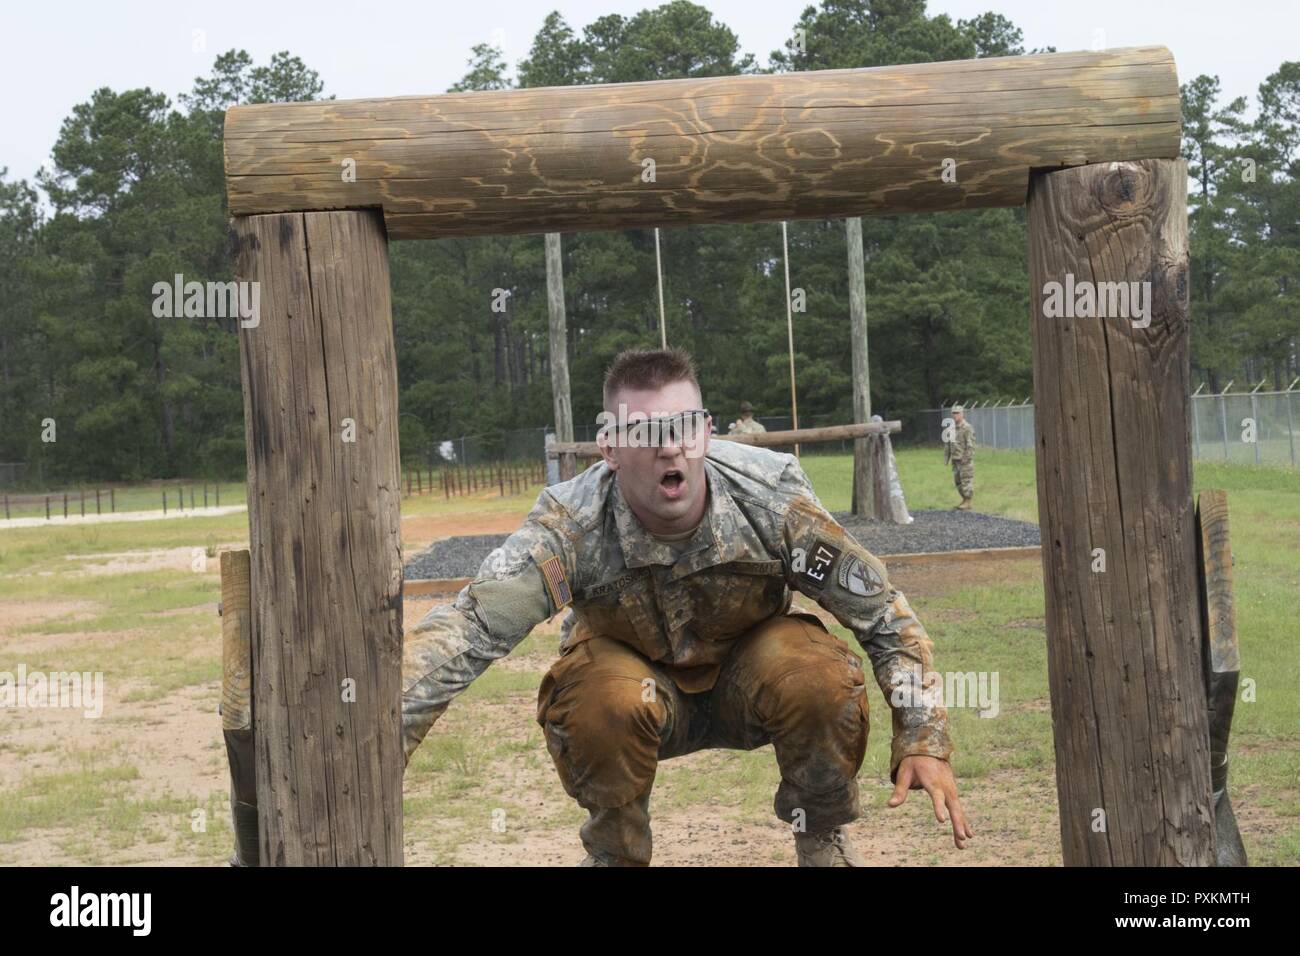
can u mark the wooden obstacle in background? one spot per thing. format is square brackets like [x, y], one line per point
[867, 448]
[793, 436]
[1113, 448]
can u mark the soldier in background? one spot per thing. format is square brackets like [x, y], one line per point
[679, 559]
[748, 424]
[960, 453]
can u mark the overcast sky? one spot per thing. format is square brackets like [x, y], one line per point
[54, 55]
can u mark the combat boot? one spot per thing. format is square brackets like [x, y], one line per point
[965, 505]
[826, 848]
[618, 836]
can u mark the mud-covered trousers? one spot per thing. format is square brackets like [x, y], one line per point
[610, 715]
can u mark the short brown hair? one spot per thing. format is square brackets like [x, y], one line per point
[648, 369]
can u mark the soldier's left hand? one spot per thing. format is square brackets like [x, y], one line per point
[934, 776]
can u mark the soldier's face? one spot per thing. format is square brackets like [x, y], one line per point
[959, 417]
[665, 484]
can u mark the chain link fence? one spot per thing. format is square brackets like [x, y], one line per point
[1256, 428]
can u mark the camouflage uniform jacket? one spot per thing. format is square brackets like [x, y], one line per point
[961, 449]
[764, 533]
[751, 427]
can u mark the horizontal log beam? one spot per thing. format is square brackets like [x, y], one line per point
[725, 149]
[800, 436]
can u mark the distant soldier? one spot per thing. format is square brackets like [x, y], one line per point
[959, 451]
[748, 424]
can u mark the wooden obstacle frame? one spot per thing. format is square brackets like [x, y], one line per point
[1088, 141]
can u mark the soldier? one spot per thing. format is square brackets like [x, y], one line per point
[748, 424]
[960, 453]
[678, 558]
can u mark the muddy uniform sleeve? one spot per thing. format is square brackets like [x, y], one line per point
[824, 562]
[518, 586]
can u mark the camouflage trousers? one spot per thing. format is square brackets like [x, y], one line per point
[963, 476]
[610, 715]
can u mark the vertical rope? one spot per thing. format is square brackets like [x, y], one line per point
[789, 326]
[659, 269]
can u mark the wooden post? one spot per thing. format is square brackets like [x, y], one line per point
[789, 328]
[1222, 662]
[237, 702]
[864, 500]
[559, 352]
[1115, 486]
[320, 404]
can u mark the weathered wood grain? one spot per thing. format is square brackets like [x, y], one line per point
[726, 149]
[1216, 562]
[1222, 663]
[319, 369]
[236, 642]
[1114, 473]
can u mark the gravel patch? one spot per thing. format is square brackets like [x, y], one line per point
[457, 557]
[931, 531]
[934, 531]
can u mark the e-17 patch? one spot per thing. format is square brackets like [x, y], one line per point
[858, 577]
[556, 583]
[818, 564]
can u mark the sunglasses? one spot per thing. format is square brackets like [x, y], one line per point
[681, 429]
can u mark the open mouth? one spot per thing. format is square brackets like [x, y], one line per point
[672, 483]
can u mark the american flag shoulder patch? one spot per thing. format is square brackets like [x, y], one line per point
[556, 583]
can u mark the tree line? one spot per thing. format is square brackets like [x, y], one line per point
[134, 195]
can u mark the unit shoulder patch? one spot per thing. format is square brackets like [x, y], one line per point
[858, 577]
